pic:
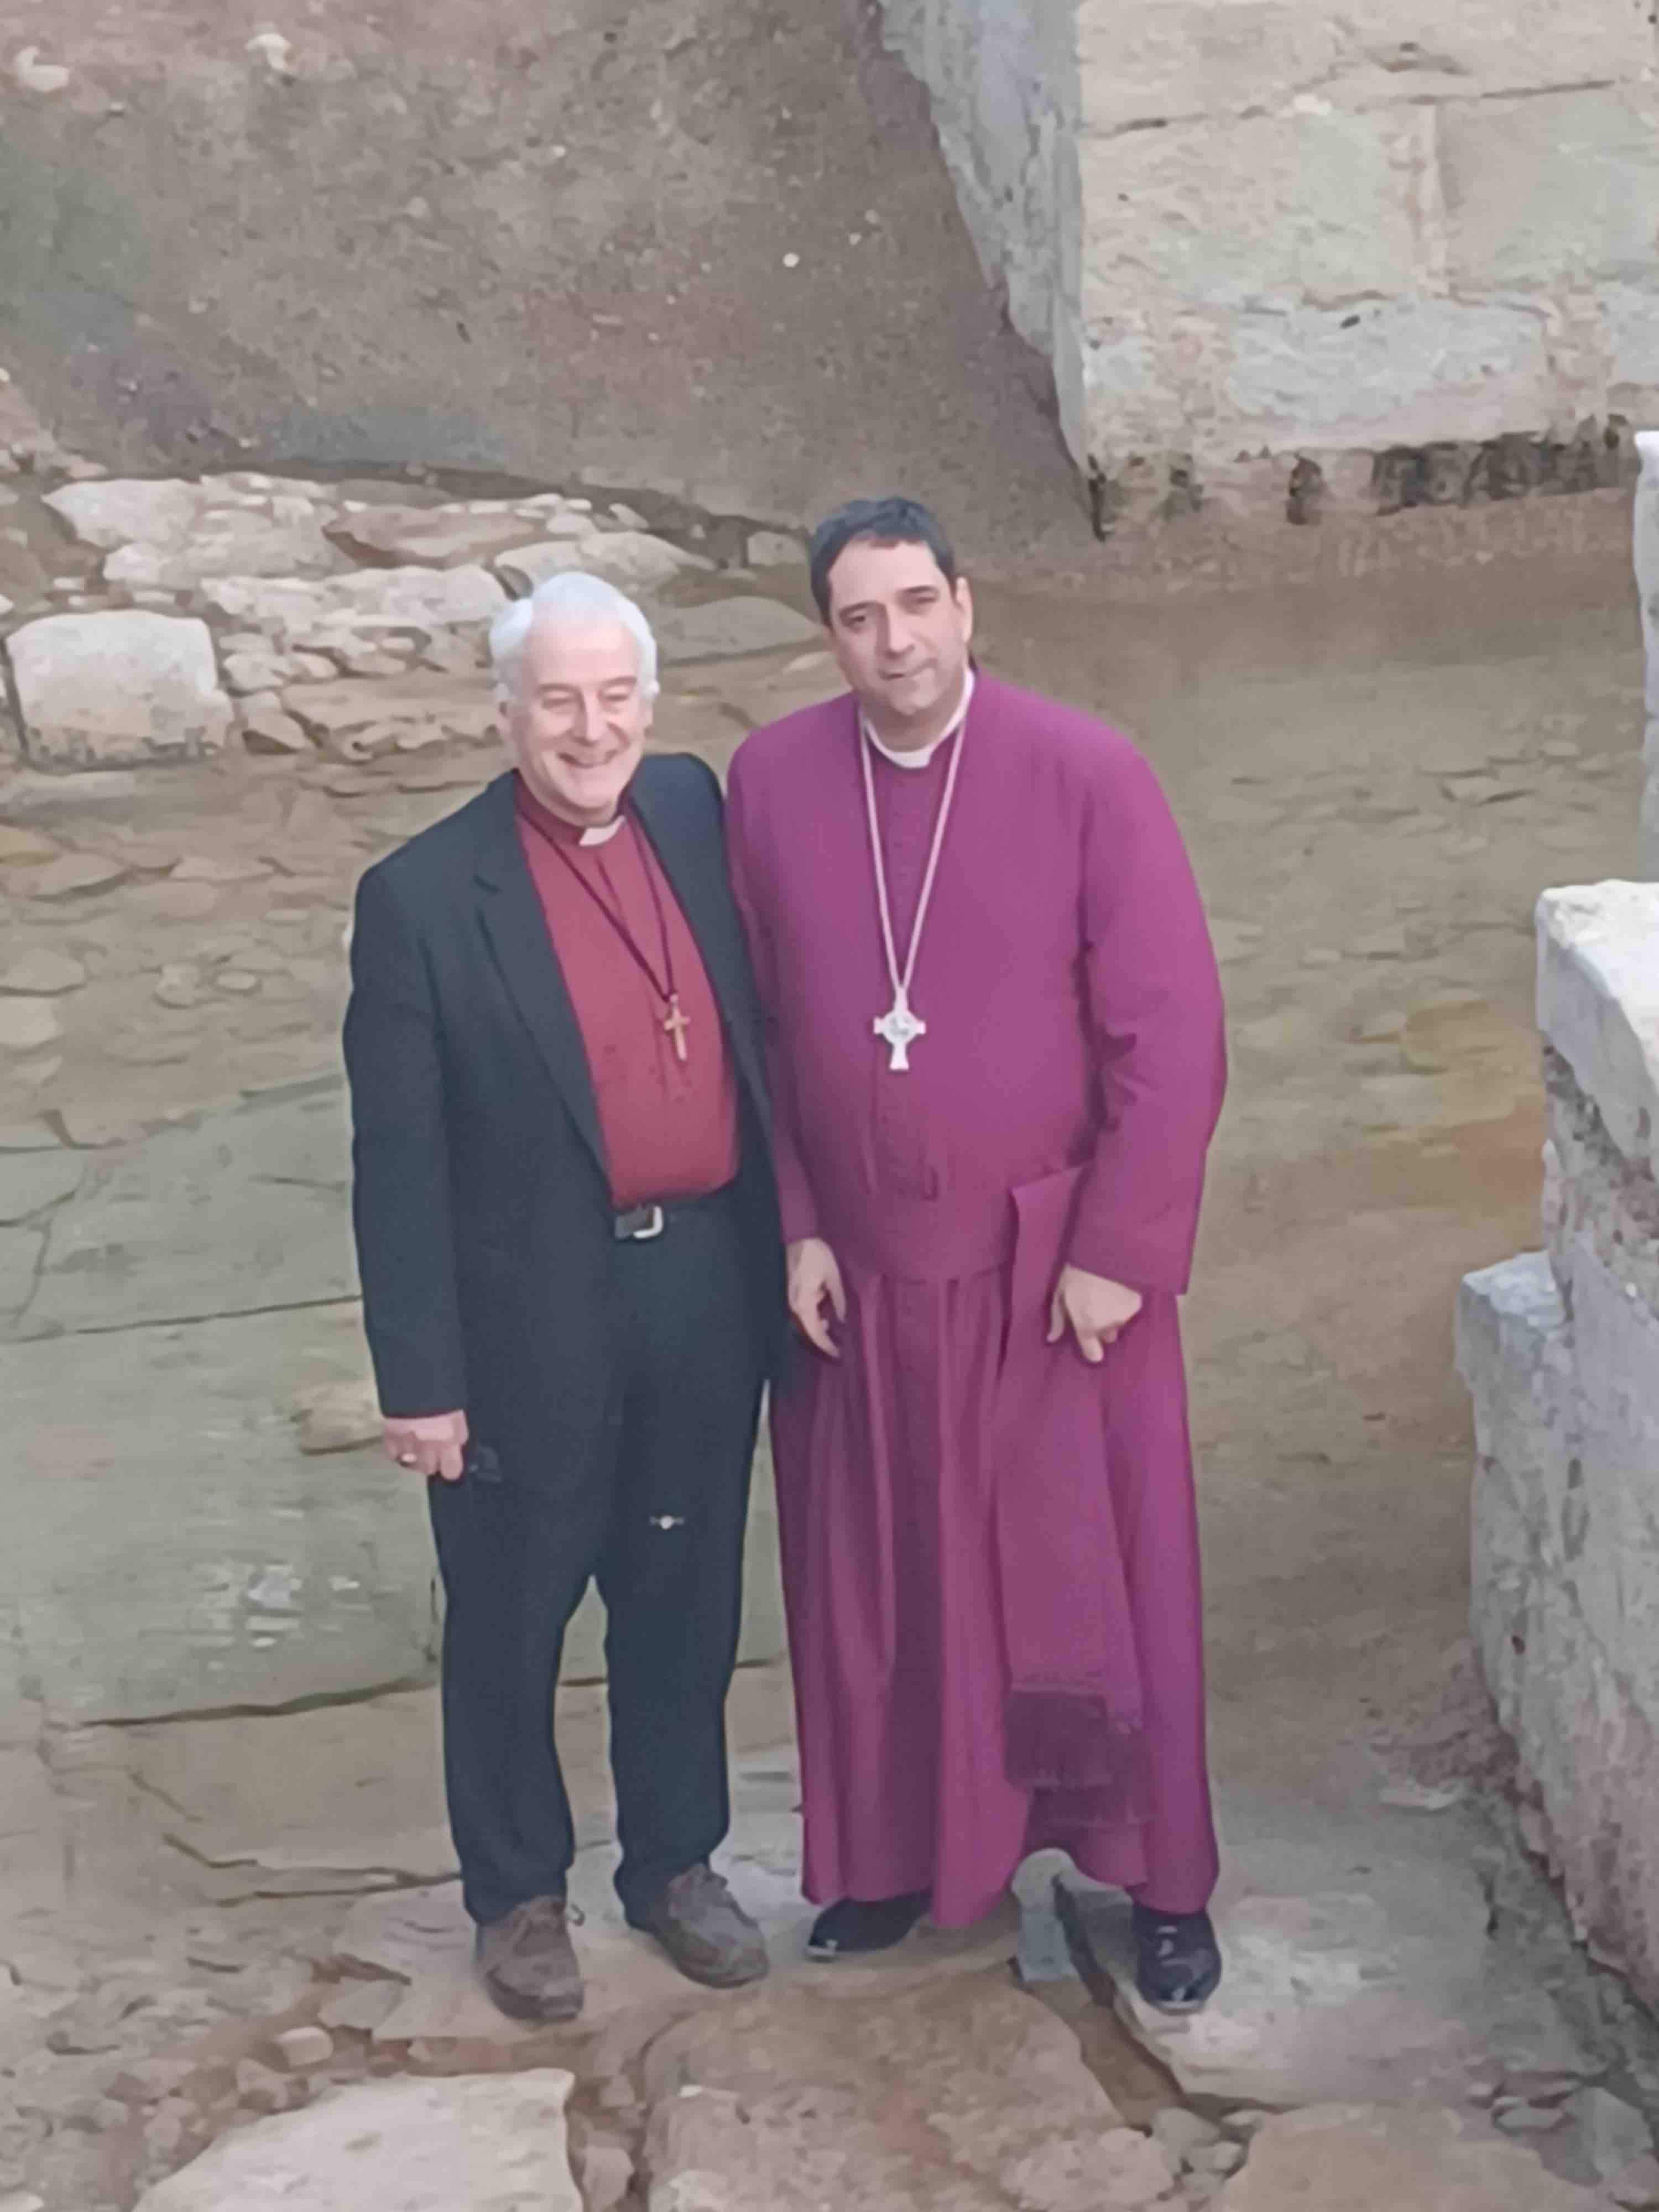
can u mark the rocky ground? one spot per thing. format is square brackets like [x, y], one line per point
[230, 1941]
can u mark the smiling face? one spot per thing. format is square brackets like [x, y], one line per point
[577, 721]
[900, 633]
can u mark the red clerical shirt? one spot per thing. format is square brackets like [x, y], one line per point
[669, 1128]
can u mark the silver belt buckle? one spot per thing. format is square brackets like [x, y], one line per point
[655, 1223]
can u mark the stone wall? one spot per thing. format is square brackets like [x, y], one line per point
[1647, 585]
[1560, 1351]
[1256, 235]
[1004, 81]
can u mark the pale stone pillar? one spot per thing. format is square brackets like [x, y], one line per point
[1560, 1351]
[1647, 585]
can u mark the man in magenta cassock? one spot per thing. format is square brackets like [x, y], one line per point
[998, 1059]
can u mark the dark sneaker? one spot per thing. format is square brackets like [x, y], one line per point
[854, 1928]
[529, 1962]
[1178, 1960]
[705, 1931]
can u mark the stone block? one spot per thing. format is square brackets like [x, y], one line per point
[377, 605]
[175, 1551]
[236, 1213]
[102, 690]
[629, 559]
[478, 2140]
[1610, 1526]
[728, 629]
[1515, 1356]
[1632, 338]
[355, 719]
[127, 511]
[1143, 62]
[429, 537]
[968, 2095]
[1645, 546]
[1614, 2134]
[1559, 189]
[171, 535]
[1396, 372]
[1277, 211]
[1358, 2158]
[1598, 1003]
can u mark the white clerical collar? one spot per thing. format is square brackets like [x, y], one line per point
[923, 754]
[601, 837]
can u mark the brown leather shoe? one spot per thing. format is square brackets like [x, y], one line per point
[705, 1931]
[529, 1962]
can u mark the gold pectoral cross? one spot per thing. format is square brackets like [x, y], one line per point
[677, 1024]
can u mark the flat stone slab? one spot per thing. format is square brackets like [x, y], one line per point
[1598, 1003]
[431, 538]
[725, 630]
[30, 1183]
[473, 2143]
[172, 1549]
[963, 2094]
[357, 720]
[298, 616]
[100, 690]
[630, 559]
[1357, 1966]
[1358, 2158]
[234, 1214]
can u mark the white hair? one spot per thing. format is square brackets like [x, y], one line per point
[574, 600]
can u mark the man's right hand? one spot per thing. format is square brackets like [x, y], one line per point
[816, 1292]
[434, 1443]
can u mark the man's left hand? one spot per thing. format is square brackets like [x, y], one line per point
[1095, 1308]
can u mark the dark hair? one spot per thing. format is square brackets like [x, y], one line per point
[890, 521]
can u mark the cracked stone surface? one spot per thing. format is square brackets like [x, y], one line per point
[1358, 1966]
[960, 2094]
[1377, 2158]
[176, 1552]
[241, 1214]
[495, 2145]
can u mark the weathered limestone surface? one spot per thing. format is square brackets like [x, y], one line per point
[1560, 1351]
[628, 558]
[173, 1551]
[493, 2143]
[102, 690]
[1359, 2158]
[173, 535]
[969, 2096]
[1374, 1987]
[1247, 234]
[212, 1522]
[1647, 586]
[374, 607]
[725, 629]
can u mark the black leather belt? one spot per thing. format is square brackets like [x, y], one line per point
[643, 1225]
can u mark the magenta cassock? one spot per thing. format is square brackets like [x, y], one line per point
[990, 1549]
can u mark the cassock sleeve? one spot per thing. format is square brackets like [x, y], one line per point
[1154, 1004]
[797, 1207]
[400, 1199]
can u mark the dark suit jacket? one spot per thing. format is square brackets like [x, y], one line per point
[482, 1207]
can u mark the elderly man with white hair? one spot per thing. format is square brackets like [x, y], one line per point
[567, 1233]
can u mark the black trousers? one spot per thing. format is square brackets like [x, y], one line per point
[658, 1519]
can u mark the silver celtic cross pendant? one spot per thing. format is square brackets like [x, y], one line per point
[900, 1029]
